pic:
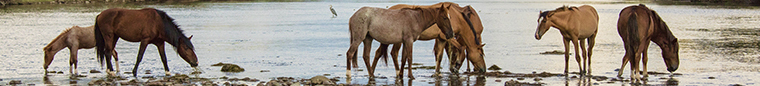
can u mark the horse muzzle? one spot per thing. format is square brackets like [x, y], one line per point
[672, 69]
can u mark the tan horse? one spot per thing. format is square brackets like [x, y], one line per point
[637, 25]
[388, 26]
[462, 27]
[74, 38]
[575, 24]
[147, 26]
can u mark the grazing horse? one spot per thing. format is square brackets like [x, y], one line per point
[147, 26]
[463, 28]
[637, 25]
[575, 24]
[74, 38]
[389, 26]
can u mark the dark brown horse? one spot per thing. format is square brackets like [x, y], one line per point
[637, 25]
[463, 28]
[576, 24]
[147, 26]
[387, 26]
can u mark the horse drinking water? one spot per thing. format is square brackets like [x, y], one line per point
[637, 25]
[400, 26]
[74, 38]
[147, 26]
[575, 24]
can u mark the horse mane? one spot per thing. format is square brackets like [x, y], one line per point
[172, 30]
[662, 25]
[59, 37]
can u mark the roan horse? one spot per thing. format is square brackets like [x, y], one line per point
[637, 25]
[575, 24]
[400, 26]
[74, 38]
[463, 28]
[147, 26]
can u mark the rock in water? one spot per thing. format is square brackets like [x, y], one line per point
[232, 68]
[494, 67]
[219, 64]
[320, 80]
[14, 82]
[94, 71]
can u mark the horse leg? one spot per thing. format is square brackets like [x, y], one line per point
[116, 60]
[567, 53]
[394, 57]
[351, 54]
[635, 66]
[628, 55]
[110, 44]
[584, 54]
[380, 52]
[140, 53]
[367, 50]
[160, 47]
[591, 42]
[644, 58]
[578, 55]
[438, 52]
[408, 55]
[73, 59]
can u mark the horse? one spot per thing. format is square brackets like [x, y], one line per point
[147, 26]
[575, 24]
[74, 38]
[463, 28]
[392, 26]
[637, 25]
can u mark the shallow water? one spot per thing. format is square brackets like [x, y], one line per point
[300, 39]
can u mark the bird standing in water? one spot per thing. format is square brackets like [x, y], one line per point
[333, 11]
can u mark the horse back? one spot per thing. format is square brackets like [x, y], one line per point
[131, 25]
[84, 36]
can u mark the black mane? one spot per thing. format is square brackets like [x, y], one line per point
[173, 32]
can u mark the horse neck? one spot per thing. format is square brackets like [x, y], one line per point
[425, 16]
[58, 43]
[561, 19]
[662, 35]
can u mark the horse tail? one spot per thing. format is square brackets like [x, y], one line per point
[633, 36]
[100, 44]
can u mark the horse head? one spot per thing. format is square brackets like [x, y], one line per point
[187, 52]
[442, 20]
[667, 42]
[543, 23]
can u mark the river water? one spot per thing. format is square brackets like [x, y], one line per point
[301, 39]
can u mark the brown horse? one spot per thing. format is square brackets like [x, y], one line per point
[388, 26]
[147, 26]
[575, 24]
[637, 25]
[462, 27]
[74, 38]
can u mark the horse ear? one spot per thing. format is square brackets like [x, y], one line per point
[191, 37]
[481, 45]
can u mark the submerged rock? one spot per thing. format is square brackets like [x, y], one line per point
[494, 67]
[232, 68]
[94, 71]
[14, 82]
[320, 80]
[555, 52]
